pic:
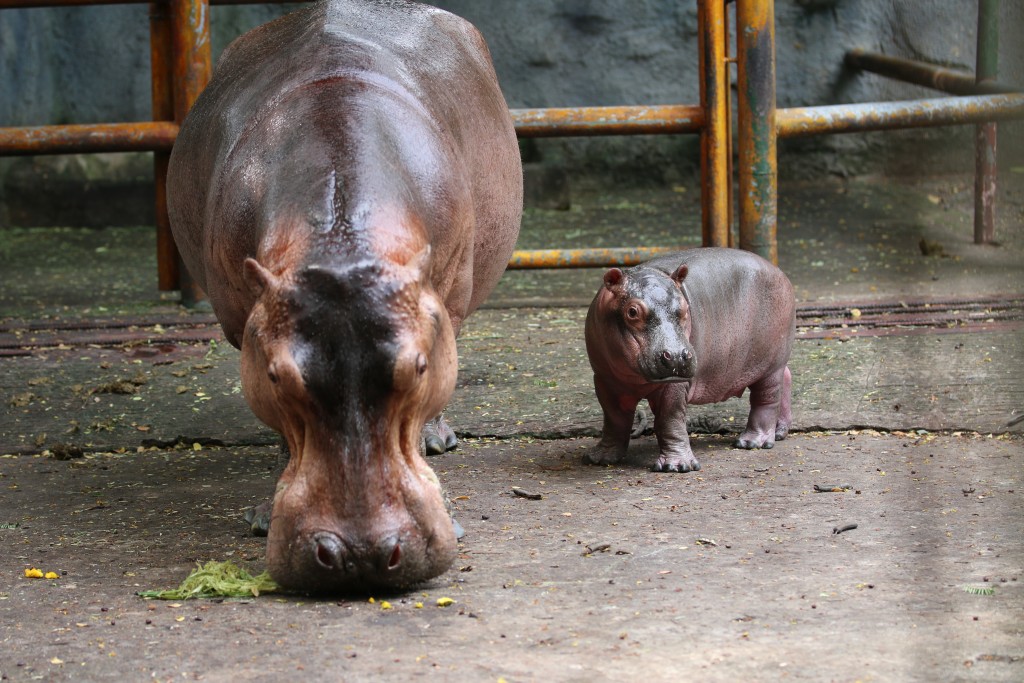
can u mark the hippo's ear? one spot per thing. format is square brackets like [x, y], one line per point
[680, 274]
[420, 263]
[257, 277]
[613, 277]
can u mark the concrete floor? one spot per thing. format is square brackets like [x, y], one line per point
[908, 378]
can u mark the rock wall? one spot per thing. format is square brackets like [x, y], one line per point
[91, 64]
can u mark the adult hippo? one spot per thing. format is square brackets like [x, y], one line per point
[347, 190]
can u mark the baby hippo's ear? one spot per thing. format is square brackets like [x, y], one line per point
[680, 274]
[613, 277]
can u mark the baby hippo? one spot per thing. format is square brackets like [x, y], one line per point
[694, 327]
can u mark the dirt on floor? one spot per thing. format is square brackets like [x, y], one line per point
[743, 571]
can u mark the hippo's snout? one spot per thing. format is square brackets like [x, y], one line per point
[677, 365]
[670, 365]
[332, 554]
[330, 561]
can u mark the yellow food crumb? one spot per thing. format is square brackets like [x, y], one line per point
[51, 575]
[418, 605]
[384, 604]
[444, 602]
[372, 601]
[33, 573]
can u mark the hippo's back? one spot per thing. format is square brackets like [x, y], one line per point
[428, 61]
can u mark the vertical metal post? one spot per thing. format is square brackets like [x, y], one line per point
[730, 59]
[163, 110]
[192, 64]
[714, 136]
[758, 169]
[985, 170]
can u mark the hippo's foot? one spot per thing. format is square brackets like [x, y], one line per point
[641, 423]
[781, 431]
[604, 455]
[675, 463]
[750, 440]
[258, 518]
[438, 437]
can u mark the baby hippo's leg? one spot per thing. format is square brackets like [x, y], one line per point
[785, 407]
[766, 410]
[674, 452]
[618, 424]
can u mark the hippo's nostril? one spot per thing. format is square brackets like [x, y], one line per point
[666, 357]
[390, 556]
[328, 550]
[396, 557]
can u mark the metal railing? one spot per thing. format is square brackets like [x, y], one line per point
[181, 67]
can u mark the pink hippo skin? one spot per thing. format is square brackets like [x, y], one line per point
[346, 191]
[695, 327]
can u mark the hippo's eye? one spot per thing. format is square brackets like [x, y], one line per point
[633, 312]
[272, 376]
[421, 364]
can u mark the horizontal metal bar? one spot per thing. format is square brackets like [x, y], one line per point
[625, 120]
[953, 81]
[147, 136]
[23, 4]
[859, 118]
[584, 258]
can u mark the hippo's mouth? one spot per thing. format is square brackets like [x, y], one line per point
[670, 379]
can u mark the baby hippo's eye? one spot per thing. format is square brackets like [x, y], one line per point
[633, 312]
[421, 364]
[272, 375]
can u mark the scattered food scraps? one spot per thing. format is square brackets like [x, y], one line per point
[33, 573]
[445, 602]
[217, 580]
[526, 494]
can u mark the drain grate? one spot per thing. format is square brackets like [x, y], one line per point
[902, 317]
[814, 321]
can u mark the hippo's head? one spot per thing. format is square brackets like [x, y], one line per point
[645, 324]
[348, 361]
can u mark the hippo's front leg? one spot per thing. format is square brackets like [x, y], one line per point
[674, 452]
[618, 425]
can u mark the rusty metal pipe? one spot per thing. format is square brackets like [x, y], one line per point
[88, 138]
[160, 58]
[758, 164]
[583, 258]
[985, 169]
[191, 68]
[714, 146]
[587, 121]
[859, 118]
[924, 74]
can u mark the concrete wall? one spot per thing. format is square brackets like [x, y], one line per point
[64, 65]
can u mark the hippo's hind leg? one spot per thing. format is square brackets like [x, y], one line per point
[438, 437]
[769, 411]
[785, 407]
